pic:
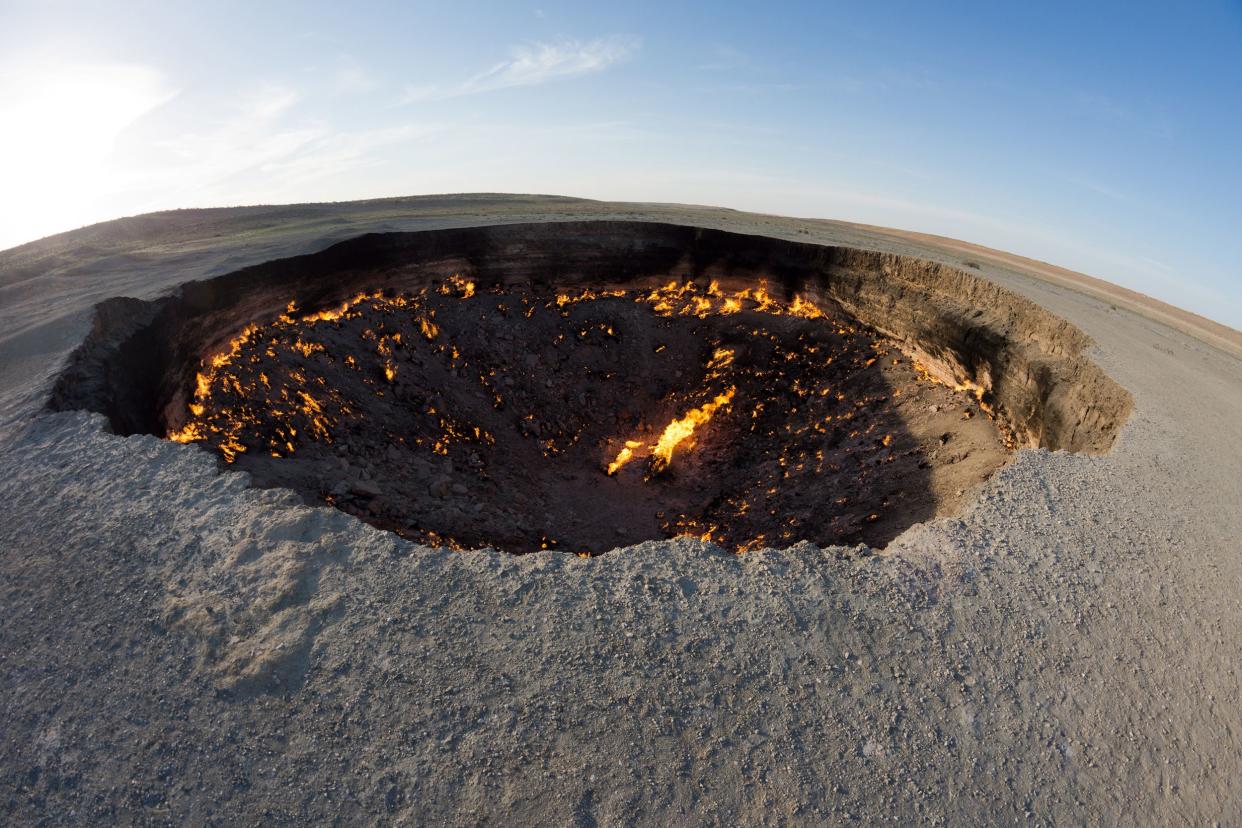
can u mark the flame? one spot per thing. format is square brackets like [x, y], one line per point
[225, 426]
[463, 287]
[964, 386]
[764, 301]
[298, 395]
[661, 452]
[751, 545]
[190, 433]
[563, 299]
[805, 309]
[331, 314]
[673, 299]
[721, 358]
[624, 456]
[968, 387]
[680, 429]
[306, 349]
[230, 448]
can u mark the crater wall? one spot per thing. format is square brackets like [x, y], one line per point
[138, 363]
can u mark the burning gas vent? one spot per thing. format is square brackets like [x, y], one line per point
[583, 387]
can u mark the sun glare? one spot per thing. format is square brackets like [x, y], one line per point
[62, 125]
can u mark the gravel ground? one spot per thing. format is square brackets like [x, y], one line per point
[176, 647]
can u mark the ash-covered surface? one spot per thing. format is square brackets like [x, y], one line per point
[526, 419]
[179, 647]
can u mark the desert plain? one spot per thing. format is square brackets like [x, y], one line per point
[178, 646]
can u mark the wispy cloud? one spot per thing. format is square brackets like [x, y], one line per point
[725, 58]
[340, 152]
[258, 147]
[533, 64]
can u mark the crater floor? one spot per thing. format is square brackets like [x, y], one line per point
[525, 419]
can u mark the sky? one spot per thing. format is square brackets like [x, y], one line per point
[1097, 136]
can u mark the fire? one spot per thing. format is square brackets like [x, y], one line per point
[688, 299]
[286, 387]
[674, 434]
[226, 427]
[764, 301]
[624, 456]
[680, 430]
[805, 309]
[191, 433]
[464, 288]
[305, 348]
[661, 452]
[563, 299]
[333, 314]
[964, 386]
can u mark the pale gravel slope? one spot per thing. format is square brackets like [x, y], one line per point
[1064, 652]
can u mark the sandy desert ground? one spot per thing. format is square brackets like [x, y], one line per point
[177, 647]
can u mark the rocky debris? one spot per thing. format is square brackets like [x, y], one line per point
[447, 418]
[365, 488]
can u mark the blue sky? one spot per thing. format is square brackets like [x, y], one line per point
[1102, 137]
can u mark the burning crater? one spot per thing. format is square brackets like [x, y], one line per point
[587, 386]
[524, 419]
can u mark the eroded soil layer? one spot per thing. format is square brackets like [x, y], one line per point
[523, 418]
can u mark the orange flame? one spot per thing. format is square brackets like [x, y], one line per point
[190, 433]
[674, 434]
[805, 309]
[680, 429]
[463, 287]
[624, 456]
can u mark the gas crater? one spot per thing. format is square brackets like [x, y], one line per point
[584, 386]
